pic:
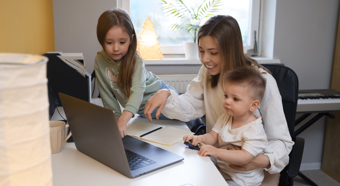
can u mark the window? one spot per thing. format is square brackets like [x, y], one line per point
[246, 12]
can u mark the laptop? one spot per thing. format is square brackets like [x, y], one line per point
[95, 133]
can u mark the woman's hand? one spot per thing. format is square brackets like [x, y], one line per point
[260, 161]
[122, 121]
[156, 101]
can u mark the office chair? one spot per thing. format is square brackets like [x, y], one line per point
[288, 84]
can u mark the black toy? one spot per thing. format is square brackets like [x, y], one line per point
[191, 146]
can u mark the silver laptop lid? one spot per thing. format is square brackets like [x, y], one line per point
[95, 133]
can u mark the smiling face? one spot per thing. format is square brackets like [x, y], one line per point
[116, 43]
[210, 54]
[237, 100]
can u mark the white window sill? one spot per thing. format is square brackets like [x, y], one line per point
[172, 61]
[183, 61]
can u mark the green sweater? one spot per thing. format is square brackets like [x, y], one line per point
[144, 85]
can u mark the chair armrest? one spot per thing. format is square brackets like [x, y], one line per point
[296, 157]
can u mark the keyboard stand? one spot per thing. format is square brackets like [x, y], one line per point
[304, 127]
[319, 101]
[310, 122]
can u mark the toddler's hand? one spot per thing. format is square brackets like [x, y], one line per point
[208, 150]
[187, 138]
[195, 140]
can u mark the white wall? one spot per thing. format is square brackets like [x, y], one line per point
[75, 24]
[305, 32]
[303, 40]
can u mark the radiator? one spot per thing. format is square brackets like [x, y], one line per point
[177, 81]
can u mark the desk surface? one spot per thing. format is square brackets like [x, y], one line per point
[71, 167]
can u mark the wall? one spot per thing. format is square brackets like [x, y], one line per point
[75, 27]
[331, 149]
[26, 26]
[267, 28]
[305, 32]
[303, 40]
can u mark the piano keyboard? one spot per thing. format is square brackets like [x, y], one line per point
[325, 100]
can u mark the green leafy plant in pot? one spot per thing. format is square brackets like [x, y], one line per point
[191, 16]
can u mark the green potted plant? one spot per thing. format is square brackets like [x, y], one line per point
[191, 16]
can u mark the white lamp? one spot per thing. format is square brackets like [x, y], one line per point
[25, 153]
[148, 45]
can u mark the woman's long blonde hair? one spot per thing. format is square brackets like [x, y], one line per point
[227, 34]
[113, 18]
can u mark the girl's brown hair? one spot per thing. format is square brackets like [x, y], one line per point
[227, 34]
[113, 18]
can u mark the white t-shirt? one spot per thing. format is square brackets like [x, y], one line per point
[250, 137]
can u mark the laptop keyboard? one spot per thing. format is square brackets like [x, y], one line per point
[137, 161]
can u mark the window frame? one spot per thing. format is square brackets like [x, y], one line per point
[179, 49]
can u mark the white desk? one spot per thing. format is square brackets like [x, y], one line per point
[73, 168]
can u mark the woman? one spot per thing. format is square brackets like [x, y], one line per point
[221, 49]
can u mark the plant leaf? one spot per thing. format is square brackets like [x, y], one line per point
[193, 14]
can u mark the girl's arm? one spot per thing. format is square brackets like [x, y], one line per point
[107, 96]
[122, 121]
[136, 96]
[137, 88]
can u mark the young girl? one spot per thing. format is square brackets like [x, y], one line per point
[221, 49]
[121, 75]
[238, 126]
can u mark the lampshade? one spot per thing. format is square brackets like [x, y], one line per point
[148, 45]
[25, 153]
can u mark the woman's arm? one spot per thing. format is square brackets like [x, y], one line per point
[260, 161]
[158, 100]
[190, 105]
[279, 140]
[235, 157]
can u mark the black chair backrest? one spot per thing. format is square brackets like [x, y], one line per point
[288, 84]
